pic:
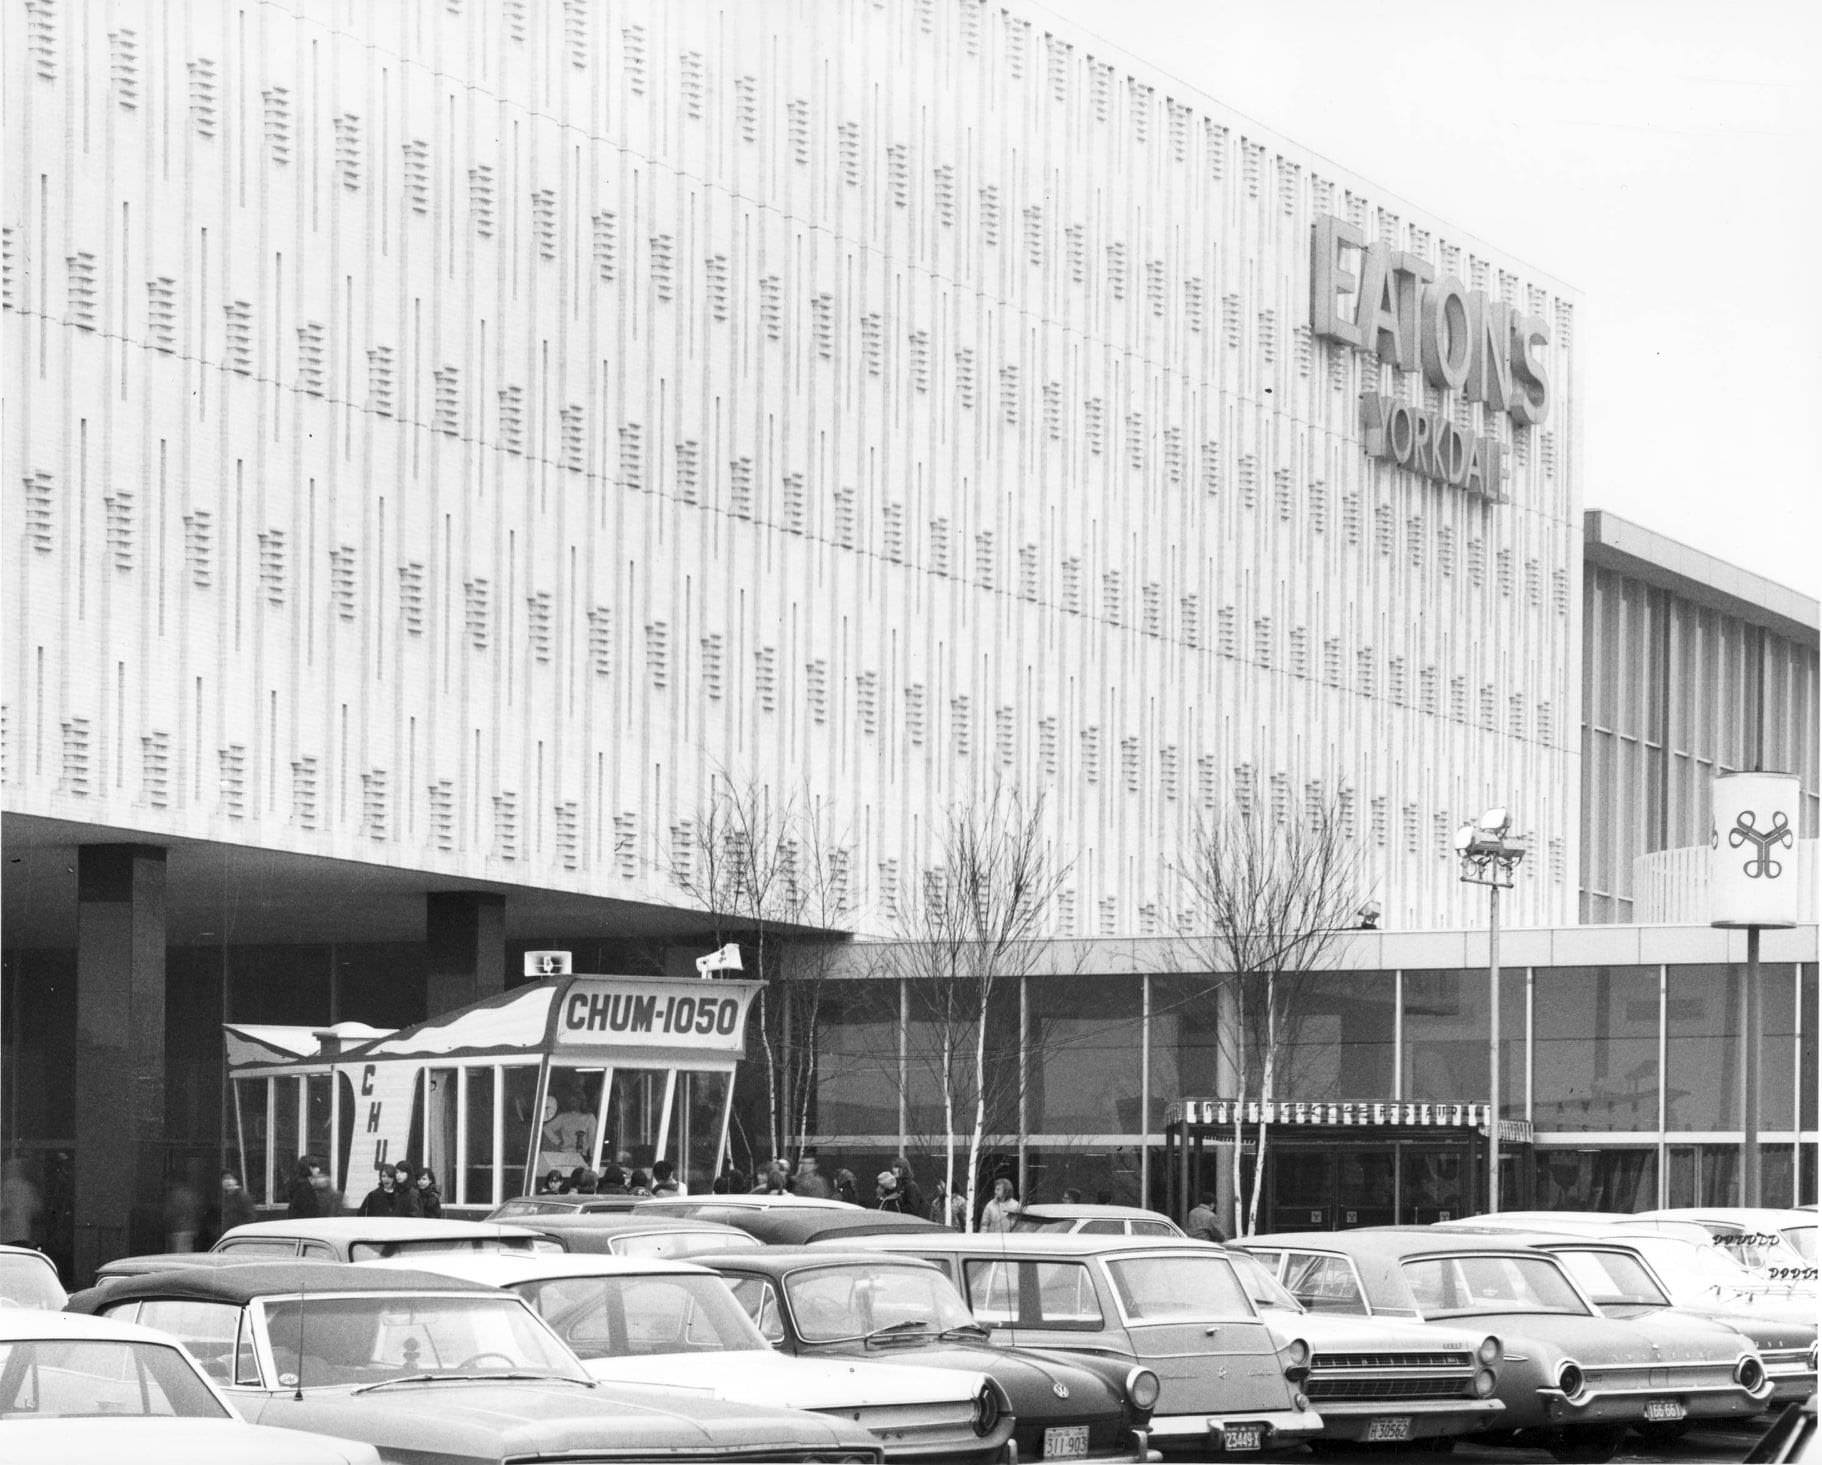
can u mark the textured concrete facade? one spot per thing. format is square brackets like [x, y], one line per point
[444, 435]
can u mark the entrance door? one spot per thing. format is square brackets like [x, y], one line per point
[1433, 1184]
[1300, 1189]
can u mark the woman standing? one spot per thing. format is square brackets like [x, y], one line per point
[430, 1199]
[1002, 1211]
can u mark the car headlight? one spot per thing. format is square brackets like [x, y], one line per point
[1489, 1351]
[1569, 1379]
[988, 1407]
[1749, 1373]
[1143, 1388]
[1296, 1360]
[1485, 1383]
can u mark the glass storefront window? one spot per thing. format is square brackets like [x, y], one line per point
[519, 1118]
[1806, 1076]
[941, 1034]
[694, 1145]
[1083, 1054]
[287, 1140]
[477, 1155]
[857, 1059]
[1185, 1048]
[251, 1095]
[1338, 1043]
[1704, 1175]
[1596, 1050]
[1589, 1179]
[317, 1127]
[433, 1125]
[1702, 1084]
[635, 1113]
[1445, 1037]
[568, 1138]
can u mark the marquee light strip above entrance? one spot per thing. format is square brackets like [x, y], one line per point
[1355, 1112]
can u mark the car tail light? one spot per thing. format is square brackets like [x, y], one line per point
[1143, 1388]
[1749, 1373]
[1569, 1379]
[988, 1407]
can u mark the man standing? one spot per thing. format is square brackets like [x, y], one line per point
[1201, 1224]
[810, 1182]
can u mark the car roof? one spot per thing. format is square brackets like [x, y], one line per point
[375, 1228]
[789, 1226]
[1386, 1241]
[30, 1251]
[617, 1222]
[240, 1285]
[776, 1261]
[18, 1324]
[682, 1203]
[504, 1269]
[1070, 1210]
[177, 1261]
[1055, 1243]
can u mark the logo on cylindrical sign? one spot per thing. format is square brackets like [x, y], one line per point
[1752, 872]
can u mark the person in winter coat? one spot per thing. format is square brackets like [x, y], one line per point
[887, 1195]
[1000, 1212]
[233, 1208]
[386, 1199]
[664, 1179]
[908, 1189]
[846, 1187]
[430, 1199]
[309, 1194]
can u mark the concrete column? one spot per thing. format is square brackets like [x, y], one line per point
[120, 1053]
[465, 948]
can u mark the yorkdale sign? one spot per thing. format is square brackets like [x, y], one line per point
[1389, 304]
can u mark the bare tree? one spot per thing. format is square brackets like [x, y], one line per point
[1266, 901]
[975, 928]
[773, 875]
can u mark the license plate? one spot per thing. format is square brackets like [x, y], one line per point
[1066, 1442]
[1394, 1427]
[1663, 1409]
[1242, 1436]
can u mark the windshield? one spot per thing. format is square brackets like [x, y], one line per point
[1157, 1289]
[368, 1339]
[1264, 1289]
[679, 1243]
[624, 1317]
[1803, 1241]
[832, 1303]
[43, 1378]
[25, 1281]
[1612, 1277]
[1456, 1286]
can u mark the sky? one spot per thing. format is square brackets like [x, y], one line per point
[1662, 157]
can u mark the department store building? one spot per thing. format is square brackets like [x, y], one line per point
[445, 442]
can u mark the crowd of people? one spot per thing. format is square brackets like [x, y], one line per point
[399, 1190]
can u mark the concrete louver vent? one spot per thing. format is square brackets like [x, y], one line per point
[914, 714]
[568, 829]
[276, 101]
[442, 814]
[304, 791]
[199, 547]
[712, 657]
[81, 310]
[205, 109]
[411, 597]
[476, 597]
[866, 701]
[76, 757]
[1170, 781]
[538, 618]
[155, 769]
[342, 560]
[272, 565]
[375, 804]
[600, 641]
[121, 525]
[626, 845]
[123, 68]
[506, 825]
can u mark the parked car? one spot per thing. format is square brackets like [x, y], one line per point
[1573, 1381]
[827, 1300]
[575, 1203]
[728, 1209]
[434, 1370]
[361, 1238]
[1376, 1380]
[1619, 1279]
[620, 1234]
[76, 1388]
[1175, 1307]
[672, 1324]
[1701, 1275]
[1095, 1220]
[1779, 1241]
[28, 1278]
[800, 1225]
[1792, 1437]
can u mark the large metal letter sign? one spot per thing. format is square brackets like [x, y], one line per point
[1753, 850]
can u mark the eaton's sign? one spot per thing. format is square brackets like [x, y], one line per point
[1390, 305]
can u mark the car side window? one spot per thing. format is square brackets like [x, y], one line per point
[1102, 1226]
[993, 1292]
[246, 1361]
[260, 1246]
[1324, 1283]
[760, 1299]
[209, 1331]
[318, 1249]
[1152, 1228]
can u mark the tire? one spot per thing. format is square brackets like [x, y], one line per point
[1662, 1433]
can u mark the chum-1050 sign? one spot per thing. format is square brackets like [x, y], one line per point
[1390, 304]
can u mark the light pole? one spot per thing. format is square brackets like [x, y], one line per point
[1489, 855]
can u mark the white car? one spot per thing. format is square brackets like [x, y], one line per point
[362, 1238]
[635, 1320]
[1775, 1240]
[75, 1388]
[28, 1278]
